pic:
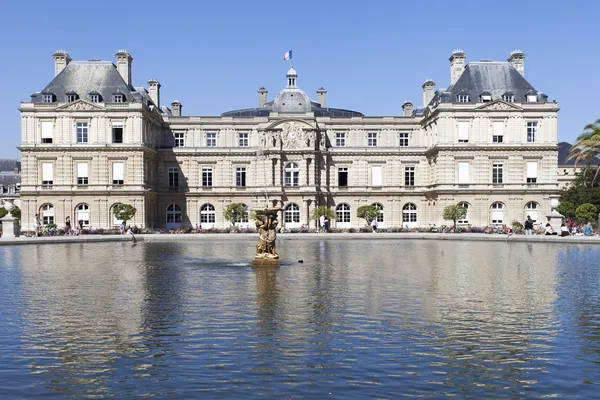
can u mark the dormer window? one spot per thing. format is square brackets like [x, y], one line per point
[71, 97]
[95, 97]
[462, 98]
[532, 98]
[48, 98]
[118, 98]
[508, 97]
[486, 98]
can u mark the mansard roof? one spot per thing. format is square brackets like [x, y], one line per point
[494, 77]
[9, 165]
[314, 108]
[87, 77]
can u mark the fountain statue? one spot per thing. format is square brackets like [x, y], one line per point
[10, 225]
[266, 222]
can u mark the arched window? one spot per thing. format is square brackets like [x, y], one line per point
[531, 209]
[113, 218]
[380, 218]
[465, 220]
[82, 214]
[343, 215]
[291, 175]
[291, 215]
[173, 216]
[207, 215]
[47, 214]
[497, 213]
[409, 214]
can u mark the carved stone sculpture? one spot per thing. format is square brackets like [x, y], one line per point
[266, 223]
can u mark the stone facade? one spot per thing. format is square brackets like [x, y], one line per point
[82, 154]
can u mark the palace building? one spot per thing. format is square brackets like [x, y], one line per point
[91, 140]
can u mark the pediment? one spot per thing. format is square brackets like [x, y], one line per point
[80, 105]
[286, 123]
[498, 105]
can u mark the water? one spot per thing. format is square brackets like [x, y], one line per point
[358, 319]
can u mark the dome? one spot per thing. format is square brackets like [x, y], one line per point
[292, 100]
[291, 72]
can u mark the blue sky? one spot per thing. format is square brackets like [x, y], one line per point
[370, 56]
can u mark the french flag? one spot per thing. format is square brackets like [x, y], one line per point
[287, 56]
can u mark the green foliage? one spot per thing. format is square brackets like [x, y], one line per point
[368, 213]
[16, 212]
[235, 212]
[586, 212]
[567, 209]
[124, 212]
[587, 148]
[517, 227]
[323, 210]
[454, 212]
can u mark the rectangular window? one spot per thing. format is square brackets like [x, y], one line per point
[376, 176]
[117, 132]
[47, 98]
[82, 132]
[532, 171]
[71, 98]
[243, 139]
[179, 139]
[173, 177]
[207, 176]
[509, 98]
[486, 98]
[462, 98]
[47, 131]
[404, 140]
[240, 176]
[118, 98]
[211, 140]
[531, 131]
[82, 173]
[343, 176]
[118, 174]
[47, 174]
[409, 176]
[340, 139]
[532, 98]
[497, 173]
[95, 98]
[498, 132]
[463, 172]
[463, 131]
[372, 139]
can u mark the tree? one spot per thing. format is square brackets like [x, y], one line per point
[454, 212]
[124, 212]
[587, 147]
[235, 212]
[567, 209]
[586, 212]
[368, 213]
[323, 210]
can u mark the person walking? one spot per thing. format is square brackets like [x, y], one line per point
[374, 225]
[322, 223]
[37, 224]
[68, 226]
[528, 226]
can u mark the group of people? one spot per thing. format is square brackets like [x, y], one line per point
[566, 229]
[323, 224]
[69, 230]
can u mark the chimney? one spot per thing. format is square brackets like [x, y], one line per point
[262, 97]
[407, 108]
[457, 65]
[176, 108]
[517, 60]
[124, 60]
[61, 60]
[154, 89]
[428, 91]
[321, 94]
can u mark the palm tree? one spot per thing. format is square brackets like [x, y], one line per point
[587, 147]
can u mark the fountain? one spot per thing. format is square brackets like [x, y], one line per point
[266, 222]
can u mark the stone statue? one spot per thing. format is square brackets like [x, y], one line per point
[266, 223]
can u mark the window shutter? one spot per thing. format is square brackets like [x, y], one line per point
[47, 130]
[497, 215]
[463, 172]
[463, 130]
[47, 172]
[82, 170]
[532, 169]
[498, 128]
[118, 171]
[376, 176]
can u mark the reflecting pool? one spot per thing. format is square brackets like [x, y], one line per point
[356, 319]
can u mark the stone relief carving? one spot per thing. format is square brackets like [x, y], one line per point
[292, 136]
[499, 105]
[80, 105]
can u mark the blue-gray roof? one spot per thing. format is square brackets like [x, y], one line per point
[9, 165]
[91, 77]
[314, 108]
[489, 77]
